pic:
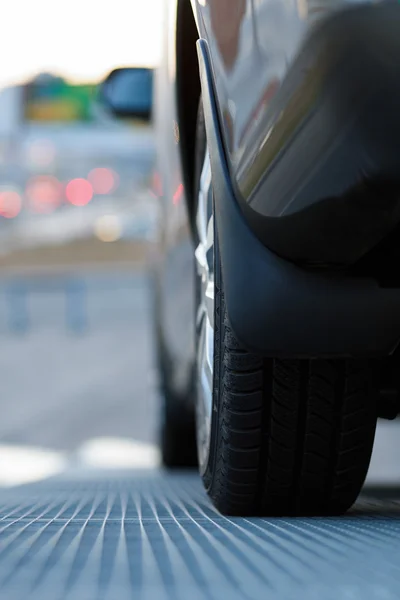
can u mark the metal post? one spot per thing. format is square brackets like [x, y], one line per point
[76, 313]
[18, 316]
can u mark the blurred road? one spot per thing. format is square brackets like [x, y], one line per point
[63, 387]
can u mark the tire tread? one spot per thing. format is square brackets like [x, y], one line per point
[294, 437]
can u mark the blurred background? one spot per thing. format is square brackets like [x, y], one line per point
[77, 222]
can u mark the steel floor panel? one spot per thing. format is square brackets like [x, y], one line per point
[155, 536]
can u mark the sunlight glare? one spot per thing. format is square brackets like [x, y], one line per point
[79, 39]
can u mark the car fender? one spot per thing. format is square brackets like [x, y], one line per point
[307, 99]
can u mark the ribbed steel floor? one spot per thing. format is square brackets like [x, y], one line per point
[155, 536]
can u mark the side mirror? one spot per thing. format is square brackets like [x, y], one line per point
[128, 93]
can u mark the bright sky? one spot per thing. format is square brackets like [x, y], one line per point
[81, 39]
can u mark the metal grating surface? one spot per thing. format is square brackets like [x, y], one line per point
[155, 536]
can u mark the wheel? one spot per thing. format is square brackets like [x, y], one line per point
[274, 437]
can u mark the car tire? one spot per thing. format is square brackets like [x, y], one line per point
[177, 427]
[176, 416]
[178, 448]
[288, 437]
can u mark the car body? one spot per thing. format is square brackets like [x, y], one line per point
[262, 87]
[277, 300]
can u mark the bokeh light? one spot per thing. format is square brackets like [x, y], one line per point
[10, 204]
[103, 180]
[108, 228]
[43, 193]
[79, 192]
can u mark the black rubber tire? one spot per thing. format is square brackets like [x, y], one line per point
[178, 448]
[177, 423]
[289, 437]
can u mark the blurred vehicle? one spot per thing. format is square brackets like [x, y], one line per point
[278, 179]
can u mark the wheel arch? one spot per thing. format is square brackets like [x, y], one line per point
[187, 95]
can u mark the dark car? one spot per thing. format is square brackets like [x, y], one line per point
[277, 294]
